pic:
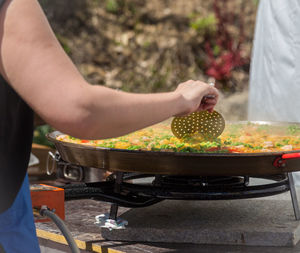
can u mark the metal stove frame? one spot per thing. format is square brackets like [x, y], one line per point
[239, 192]
[119, 189]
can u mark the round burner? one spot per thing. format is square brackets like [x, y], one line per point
[200, 181]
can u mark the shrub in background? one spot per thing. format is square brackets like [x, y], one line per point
[223, 50]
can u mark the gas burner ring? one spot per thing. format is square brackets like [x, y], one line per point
[165, 180]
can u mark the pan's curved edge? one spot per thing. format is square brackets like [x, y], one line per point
[175, 163]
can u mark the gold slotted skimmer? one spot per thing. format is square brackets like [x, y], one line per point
[202, 125]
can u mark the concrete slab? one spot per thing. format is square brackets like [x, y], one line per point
[80, 217]
[252, 222]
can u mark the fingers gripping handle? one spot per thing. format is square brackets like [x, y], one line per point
[210, 96]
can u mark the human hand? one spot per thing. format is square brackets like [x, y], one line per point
[194, 97]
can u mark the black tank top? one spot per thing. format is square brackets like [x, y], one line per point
[16, 129]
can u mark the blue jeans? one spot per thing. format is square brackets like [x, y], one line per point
[17, 229]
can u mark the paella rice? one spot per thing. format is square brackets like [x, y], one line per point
[236, 138]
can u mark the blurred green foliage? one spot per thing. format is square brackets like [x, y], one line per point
[39, 135]
[108, 45]
[204, 25]
[146, 44]
[121, 7]
[64, 43]
[112, 6]
[216, 50]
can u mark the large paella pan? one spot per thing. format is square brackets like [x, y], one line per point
[245, 148]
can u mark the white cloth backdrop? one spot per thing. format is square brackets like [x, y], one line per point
[274, 93]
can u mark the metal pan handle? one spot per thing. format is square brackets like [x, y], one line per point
[290, 156]
[280, 161]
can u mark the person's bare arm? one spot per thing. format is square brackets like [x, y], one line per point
[36, 66]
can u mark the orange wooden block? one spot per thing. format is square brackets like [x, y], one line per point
[50, 196]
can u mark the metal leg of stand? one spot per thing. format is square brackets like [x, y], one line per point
[294, 196]
[113, 214]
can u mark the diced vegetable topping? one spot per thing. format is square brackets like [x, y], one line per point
[237, 138]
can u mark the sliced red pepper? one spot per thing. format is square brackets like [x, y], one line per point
[84, 141]
[234, 150]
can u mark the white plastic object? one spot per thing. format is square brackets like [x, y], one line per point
[104, 221]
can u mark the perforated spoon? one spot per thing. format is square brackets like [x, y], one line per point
[202, 125]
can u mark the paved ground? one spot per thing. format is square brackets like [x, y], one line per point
[80, 219]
